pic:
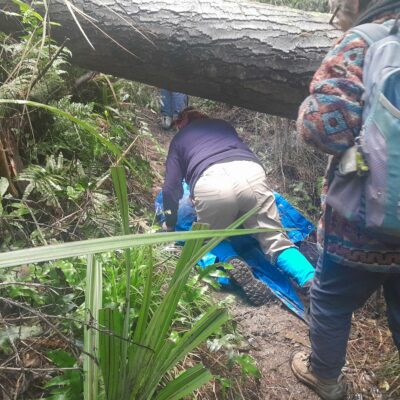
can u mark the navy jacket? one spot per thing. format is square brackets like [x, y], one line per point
[192, 150]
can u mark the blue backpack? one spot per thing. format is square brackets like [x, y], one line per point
[365, 187]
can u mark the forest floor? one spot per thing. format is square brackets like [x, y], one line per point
[273, 333]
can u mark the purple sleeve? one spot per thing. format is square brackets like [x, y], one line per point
[172, 189]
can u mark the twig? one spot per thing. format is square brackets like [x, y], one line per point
[111, 88]
[122, 156]
[84, 78]
[91, 21]
[12, 343]
[334, 15]
[44, 319]
[54, 369]
[30, 284]
[49, 64]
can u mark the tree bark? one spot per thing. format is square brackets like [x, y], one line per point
[252, 55]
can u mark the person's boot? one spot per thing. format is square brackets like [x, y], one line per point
[256, 291]
[166, 122]
[327, 389]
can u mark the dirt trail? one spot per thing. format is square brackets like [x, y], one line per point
[273, 333]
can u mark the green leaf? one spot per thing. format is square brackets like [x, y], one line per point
[120, 187]
[27, 9]
[111, 361]
[248, 365]
[93, 303]
[119, 181]
[169, 355]
[61, 358]
[200, 331]
[185, 384]
[102, 245]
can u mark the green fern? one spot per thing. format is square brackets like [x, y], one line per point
[45, 181]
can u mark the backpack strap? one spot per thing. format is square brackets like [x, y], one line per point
[371, 32]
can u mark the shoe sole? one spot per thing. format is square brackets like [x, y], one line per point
[256, 292]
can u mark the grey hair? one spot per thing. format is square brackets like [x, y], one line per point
[346, 6]
[348, 13]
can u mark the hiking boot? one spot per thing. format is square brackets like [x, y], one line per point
[166, 121]
[256, 292]
[327, 389]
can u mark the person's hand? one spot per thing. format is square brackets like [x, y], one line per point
[166, 228]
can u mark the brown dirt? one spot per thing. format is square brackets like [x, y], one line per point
[274, 334]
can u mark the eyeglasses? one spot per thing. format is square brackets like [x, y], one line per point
[334, 15]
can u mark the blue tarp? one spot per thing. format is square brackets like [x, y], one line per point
[248, 248]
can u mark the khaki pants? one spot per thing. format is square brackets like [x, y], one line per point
[226, 191]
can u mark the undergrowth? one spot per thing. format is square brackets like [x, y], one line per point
[63, 131]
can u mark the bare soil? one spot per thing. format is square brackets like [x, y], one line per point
[274, 333]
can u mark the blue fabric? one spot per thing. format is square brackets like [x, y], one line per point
[186, 213]
[294, 264]
[172, 102]
[292, 219]
[336, 293]
[248, 248]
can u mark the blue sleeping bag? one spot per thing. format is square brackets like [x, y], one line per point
[248, 248]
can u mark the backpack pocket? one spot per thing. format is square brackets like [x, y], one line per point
[344, 194]
[381, 145]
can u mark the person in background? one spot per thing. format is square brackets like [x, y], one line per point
[227, 180]
[329, 119]
[172, 103]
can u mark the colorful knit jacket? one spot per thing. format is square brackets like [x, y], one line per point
[329, 119]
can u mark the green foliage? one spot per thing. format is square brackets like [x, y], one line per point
[88, 136]
[248, 365]
[67, 386]
[135, 362]
[27, 57]
[307, 5]
[302, 200]
[150, 321]
[65, 184]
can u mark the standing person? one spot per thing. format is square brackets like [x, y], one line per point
[226, 180]
[172, 103]
[355, 262]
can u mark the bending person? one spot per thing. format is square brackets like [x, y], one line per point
[227, 180]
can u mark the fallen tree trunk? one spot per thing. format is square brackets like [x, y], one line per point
[252, 55]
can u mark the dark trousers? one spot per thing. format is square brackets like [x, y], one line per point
[336, 293]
